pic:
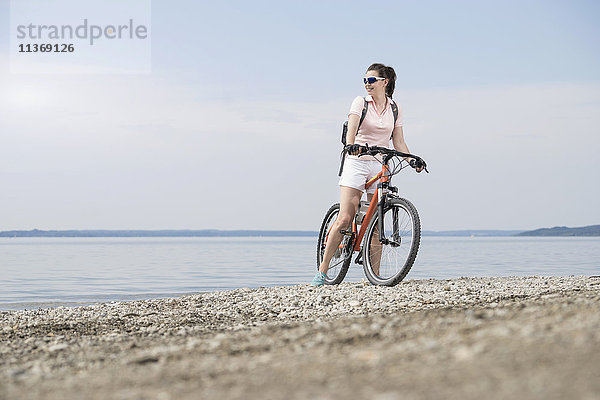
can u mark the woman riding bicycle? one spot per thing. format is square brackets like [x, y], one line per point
[375, 130]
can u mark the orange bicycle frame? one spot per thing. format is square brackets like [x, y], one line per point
[384, 175]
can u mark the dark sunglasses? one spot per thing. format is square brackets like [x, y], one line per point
[372, 79]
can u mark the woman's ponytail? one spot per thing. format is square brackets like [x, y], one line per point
[388, 73]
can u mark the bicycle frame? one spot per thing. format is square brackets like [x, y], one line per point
[384, 176]
[389, 241]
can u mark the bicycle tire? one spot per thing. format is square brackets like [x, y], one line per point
[338, 266]
[388, 265]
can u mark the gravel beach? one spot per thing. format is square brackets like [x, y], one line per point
[515, 337]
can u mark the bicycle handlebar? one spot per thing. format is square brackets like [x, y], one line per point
[416, 161]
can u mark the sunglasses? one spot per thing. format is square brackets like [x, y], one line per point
[372, 79]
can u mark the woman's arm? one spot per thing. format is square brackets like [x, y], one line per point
[398, 140]
[400, 144]
[353, 121]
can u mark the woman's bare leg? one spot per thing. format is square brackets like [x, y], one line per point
[375, 251]
[349, 200]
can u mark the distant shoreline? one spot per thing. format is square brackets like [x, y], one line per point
[157, 233]
[586, 231]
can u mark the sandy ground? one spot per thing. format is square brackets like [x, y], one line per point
[521, 338]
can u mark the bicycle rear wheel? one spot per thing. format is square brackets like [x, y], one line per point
[338, 266]
[388, 263]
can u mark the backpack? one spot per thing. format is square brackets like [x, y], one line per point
[362, 118]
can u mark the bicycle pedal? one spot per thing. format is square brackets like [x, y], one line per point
[358, 259]
[347, 233]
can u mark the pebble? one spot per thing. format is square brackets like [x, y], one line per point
[57, 347]
[37, 342]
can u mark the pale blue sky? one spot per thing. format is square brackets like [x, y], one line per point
[430, 43]
[501, 98]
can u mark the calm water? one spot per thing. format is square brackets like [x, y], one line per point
[38, 272]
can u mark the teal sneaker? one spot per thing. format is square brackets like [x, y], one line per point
[319, 279]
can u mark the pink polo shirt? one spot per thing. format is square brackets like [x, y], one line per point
[376, 129]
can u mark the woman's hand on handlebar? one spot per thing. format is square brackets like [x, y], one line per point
[354, 149]
[418, 164]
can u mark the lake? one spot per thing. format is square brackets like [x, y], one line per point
[44, 272]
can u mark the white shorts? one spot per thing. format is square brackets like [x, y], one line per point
[357, 172]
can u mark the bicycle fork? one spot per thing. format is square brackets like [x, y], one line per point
[395, 239]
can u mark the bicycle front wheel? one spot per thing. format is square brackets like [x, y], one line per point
[338, 266]
[388, 263]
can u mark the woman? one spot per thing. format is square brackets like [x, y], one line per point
[375, 130]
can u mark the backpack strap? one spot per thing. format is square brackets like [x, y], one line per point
[366, 107]
[395, 111]
[364, 112]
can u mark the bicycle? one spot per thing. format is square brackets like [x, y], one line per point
[391, 242]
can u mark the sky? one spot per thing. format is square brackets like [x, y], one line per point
[236, 123]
